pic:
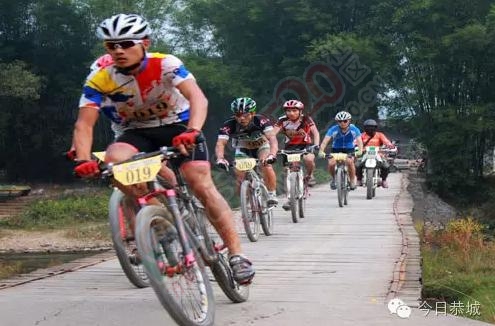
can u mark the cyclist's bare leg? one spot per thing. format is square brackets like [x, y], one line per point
[269, 175]
[331, 167]
[198, 176]
[352, 169]
[309, 162]
[168, 174]
[239, 177]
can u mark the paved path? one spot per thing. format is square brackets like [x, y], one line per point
[339, 266]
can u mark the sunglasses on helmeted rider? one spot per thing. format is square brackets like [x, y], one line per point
[343, 121]
[122, 44]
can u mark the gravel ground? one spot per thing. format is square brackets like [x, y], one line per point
[428, 207]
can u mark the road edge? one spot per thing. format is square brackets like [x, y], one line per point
[406, 275]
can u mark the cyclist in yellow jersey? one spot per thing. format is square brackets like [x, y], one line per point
[155, 101]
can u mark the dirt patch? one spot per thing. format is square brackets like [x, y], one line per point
[47, 241]
[428, 207]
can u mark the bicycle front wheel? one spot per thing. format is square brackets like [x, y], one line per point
[119, 209]
[294, 193]
[250, 216]
[182, 287]
[340, 183]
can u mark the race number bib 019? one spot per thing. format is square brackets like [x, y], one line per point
[138, 171]
[245, 164]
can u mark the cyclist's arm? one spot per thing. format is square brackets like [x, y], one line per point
[220, 148]
[359, 142]
[272, 140]
[83, 132]
[198, 104]
[385, 141]
[325, 142]
[276, 129]
[316, 135]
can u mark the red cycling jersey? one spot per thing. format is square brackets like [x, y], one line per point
[298, 132]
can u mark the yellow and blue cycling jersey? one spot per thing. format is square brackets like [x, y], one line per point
[148, 99]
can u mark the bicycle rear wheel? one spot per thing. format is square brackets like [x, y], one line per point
[250, 216]
[123, 237]
[369, 182]
[220, 268]
[340, 183]
[294, 192]
[184, 291]
[346, 187]
[302, 201]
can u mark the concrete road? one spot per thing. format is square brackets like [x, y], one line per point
[338, 266]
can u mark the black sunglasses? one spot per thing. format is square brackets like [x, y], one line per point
[344, 121]
[122, 44]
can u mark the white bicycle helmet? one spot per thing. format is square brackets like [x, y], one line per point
[123, 27]
[343, 115]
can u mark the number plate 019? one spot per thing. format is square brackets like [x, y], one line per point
[138, 171]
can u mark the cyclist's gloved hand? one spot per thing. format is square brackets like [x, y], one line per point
[315, 149]
[223, 164]
[358, 153]
[188, 137]
[270, 159]
[71, 155]
[321, 154]
[86, 169]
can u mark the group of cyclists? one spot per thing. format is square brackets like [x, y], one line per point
[152, 100]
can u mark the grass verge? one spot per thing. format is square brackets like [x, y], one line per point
[458, 264]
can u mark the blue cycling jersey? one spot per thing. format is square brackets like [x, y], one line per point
[343, 140]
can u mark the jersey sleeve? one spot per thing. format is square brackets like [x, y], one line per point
[174, 70]
[331, 131]
[385, 141]
[310, 122]
[226, 130]
[280, 122]
[98, 83]
[265, 124]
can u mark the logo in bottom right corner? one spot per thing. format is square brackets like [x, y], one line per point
[397, 306]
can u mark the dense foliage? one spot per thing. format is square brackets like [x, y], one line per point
[427, 62]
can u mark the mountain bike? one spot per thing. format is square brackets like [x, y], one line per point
[296, 183]
[254, 196]
[342, 181]
[175, 241]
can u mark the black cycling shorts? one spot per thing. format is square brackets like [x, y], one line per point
[151, 139]
[343, 150]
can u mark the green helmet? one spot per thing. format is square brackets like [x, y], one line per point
[243, 105]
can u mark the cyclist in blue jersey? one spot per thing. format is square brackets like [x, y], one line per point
[342, 135]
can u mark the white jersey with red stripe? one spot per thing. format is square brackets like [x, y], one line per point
[147, 99]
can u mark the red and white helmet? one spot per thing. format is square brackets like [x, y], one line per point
[293, 104]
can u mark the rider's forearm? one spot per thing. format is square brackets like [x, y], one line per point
[198, 112]
[316, 136]
[273, 145]
[220, 150]
[83, 140]
[324, 143]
